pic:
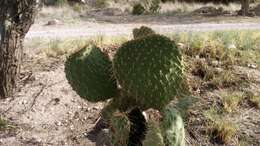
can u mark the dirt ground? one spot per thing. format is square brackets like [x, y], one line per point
[46, 111]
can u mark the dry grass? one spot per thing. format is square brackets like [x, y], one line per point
[255, 100]
[231, 101]
[60, 47]
[65, 13]
[172, 8]
[228, 47]
[225, 79]
[220, 129]
[3, 123]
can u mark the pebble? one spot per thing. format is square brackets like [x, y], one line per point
[71, 127]
[53, 22]
[231, 46]
[254, 66]
[58, 123]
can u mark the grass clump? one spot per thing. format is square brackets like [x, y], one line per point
[255, 100]
[201, 69]
[138, 9]
[3, 123]
[220, 129]
[147, 7]
[101, 3]
[223, 132]
[231, 101]
[228, 47]
[225, 79]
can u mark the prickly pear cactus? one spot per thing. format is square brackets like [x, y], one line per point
[149, 69]
[89, 73]
[120, 129]
[172, 127]
[153, 135]
[143, 31]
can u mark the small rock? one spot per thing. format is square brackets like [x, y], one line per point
[96, 107]
[24, 102]
[253, 66]
[58, 123]
[73, 100]
[71, 127]
[76, 115]
[53, 22]
[231, 46]
[33, 110]
[215, 63]
[181, 45]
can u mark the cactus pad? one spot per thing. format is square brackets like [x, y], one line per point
[172, 127]
[143, 31]
[149, 69]
[120, 129]
[89, 73]
[153, 135]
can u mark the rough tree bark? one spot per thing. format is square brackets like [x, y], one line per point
[16, 17]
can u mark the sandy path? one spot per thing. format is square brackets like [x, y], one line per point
[93, 29]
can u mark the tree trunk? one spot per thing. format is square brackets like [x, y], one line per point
[244, 7]
[16, 17]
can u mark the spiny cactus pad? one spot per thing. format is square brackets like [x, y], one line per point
[143, 31]
[120, 129]
[153, 135]
[89, 73]
[149, 69]
[172, 127]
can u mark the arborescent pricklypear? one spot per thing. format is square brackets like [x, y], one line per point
[149, 70]
[153, 135]
[89, 72]
[120, 129]
[143, 31]
[172, 127]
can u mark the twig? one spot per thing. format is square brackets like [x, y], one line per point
[37, 95]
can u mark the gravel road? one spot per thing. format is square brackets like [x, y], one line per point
[93, 29]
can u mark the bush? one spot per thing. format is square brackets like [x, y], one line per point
[146, 6]
[151, 6]
[138, 9]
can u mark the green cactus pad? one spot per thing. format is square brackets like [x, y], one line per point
[153, 135]
[89, 73]
[143, 31]
[120, 129]
[149, 69]
[172, 127]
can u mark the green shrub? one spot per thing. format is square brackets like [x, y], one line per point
[138, 9]
[101, 3]
[146, 6]
[151, 6]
